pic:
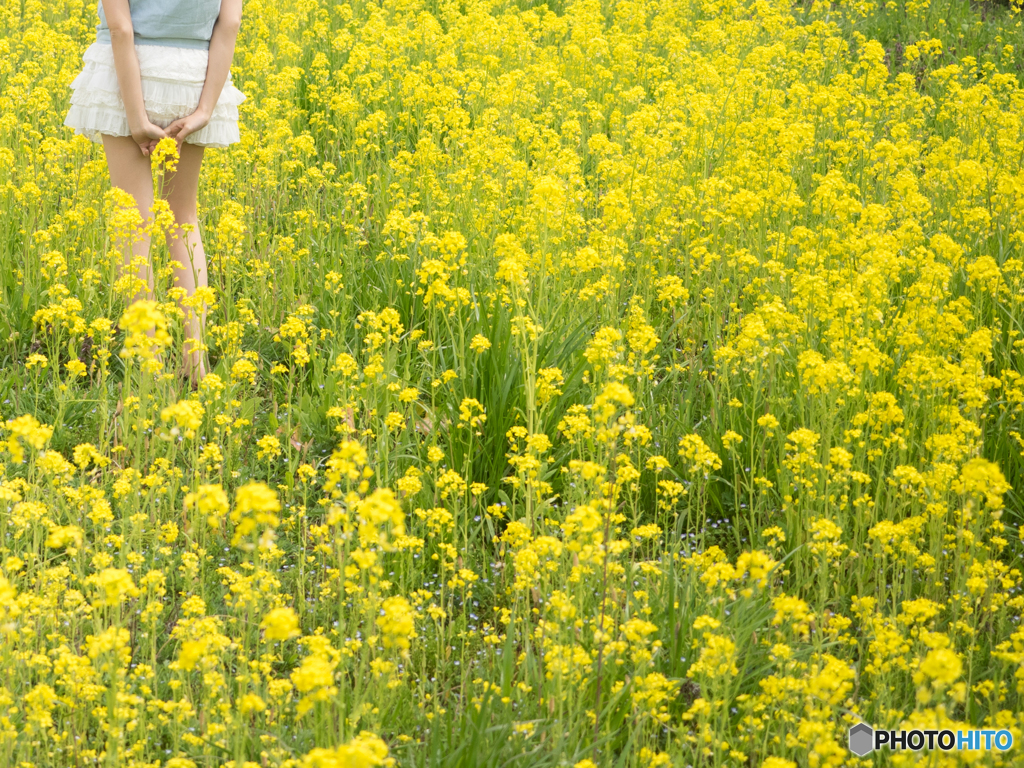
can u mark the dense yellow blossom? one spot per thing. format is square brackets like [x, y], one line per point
[593, 384]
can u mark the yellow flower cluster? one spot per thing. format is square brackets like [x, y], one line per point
[596, 384]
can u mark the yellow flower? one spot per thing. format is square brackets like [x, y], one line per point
[314, 677]
[9, 607]
[256, 497]
[165, 154]
[147, 332]
[186, 414]
[25, 429]
[364, 751]
[397, 623]
[613, 396]
[471, 412]
[190, 654]
[730, 438]
[255, 505]
[791, 610]
[75, 368]
[113, 585]
[717, 659]
[210, 500]
[280, 624]
[940, 666]
[314, 672]
[61, 536]
[268, 446]
[700, 458]
[250, 702]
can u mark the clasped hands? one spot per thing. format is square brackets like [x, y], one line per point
[147, 134]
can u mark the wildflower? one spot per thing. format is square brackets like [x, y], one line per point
[612, 396]
[255, 505]
[269, 447]
[471, 413]
[549, 381]
[86, 454]
[61, 536]
[209, 500]
[397, 623]
[165, 154]
[791, 610]
[480, 344]
[25, 429]
[147, 331]
[700, 458]
[364, 751]
[9, 608]
[314, 677]
[671, 290]
[186, 414]
[250, 702]
[113, 585]
[604, 348]
[346, 462]
[190, 653]
[40, 702]
[717, 658]
[244, 370]
[731, 438]
[769, 423]
[280, 624]
[940, 667]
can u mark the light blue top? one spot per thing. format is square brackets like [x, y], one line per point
[177, 23]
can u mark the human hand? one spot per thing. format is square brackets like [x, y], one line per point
[146, 135]
[181, 128]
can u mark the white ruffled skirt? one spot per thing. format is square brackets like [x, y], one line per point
[172, 81]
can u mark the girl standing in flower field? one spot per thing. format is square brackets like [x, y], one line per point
[158, 69]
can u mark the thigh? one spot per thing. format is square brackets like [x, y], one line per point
[181, 186]
[130, 170]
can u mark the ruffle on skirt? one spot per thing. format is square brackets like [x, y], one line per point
[172, 82]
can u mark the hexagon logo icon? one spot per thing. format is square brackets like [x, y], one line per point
[862, 739]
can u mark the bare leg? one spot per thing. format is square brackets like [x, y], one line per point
[181, 188]
[130, 170]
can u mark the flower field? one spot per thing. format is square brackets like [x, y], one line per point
[593, 384]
